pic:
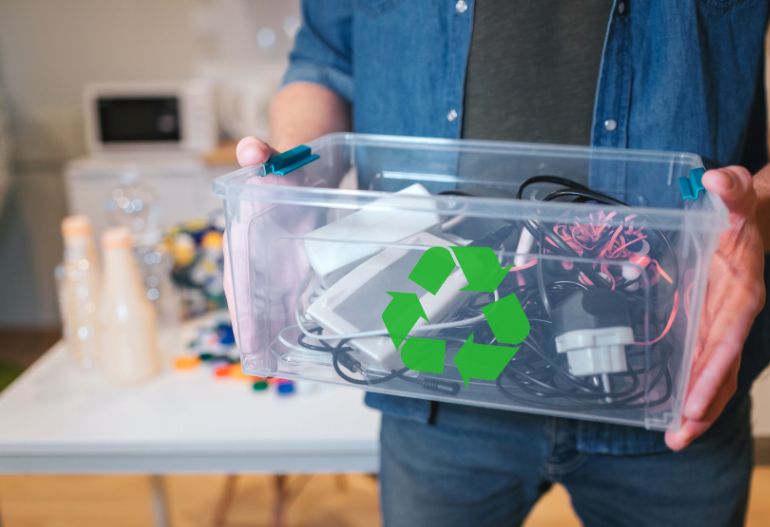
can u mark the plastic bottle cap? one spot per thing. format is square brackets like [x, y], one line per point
[212, 240]
[222, 371]
[286, 388]
[186, 362]
[117, 238]
[259, 386]
[225, 334]
[237, 373]
[76, 225]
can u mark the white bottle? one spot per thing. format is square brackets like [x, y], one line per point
[79, 290]
[129, 337]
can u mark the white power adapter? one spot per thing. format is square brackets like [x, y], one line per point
[337, 247]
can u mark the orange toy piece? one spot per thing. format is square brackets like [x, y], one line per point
[186, 362]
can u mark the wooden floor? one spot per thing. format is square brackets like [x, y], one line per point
[118, 501]
[22, 347]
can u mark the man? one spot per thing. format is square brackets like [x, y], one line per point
[679, 76]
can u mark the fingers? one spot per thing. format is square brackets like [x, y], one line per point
[251, 151]
[721, 354]
[678, 439]
[734, 185]
[691, 429]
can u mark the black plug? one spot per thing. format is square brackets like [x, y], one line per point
[349, 362]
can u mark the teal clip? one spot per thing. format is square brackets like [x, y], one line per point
[691, 186]
[285, 162]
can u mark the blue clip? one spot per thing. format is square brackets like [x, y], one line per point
[691, 186]
[283, 163]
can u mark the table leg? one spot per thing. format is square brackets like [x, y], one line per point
[341, 481]
[224, 501]
[279, 503]
[159, 501]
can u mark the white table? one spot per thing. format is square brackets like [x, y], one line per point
[58, 419]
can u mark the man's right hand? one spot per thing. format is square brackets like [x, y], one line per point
[252, 152]
[248, 229]
[300, 112]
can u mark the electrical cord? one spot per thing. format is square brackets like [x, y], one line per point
[342, 357]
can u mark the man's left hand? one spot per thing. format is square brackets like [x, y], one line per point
[734, 296]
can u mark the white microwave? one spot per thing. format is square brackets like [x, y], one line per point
[150, 117]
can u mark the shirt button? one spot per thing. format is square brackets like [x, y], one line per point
[451, 115]
[621, 8]
[610, 125]
[461, 6]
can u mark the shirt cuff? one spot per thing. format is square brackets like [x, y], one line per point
[333, 79]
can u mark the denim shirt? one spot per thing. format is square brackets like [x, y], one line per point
[685, 75]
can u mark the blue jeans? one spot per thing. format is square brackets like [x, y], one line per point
[479, 467]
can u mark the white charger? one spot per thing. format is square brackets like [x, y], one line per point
[337, 247]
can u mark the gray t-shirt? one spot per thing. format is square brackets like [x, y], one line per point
[533, 68]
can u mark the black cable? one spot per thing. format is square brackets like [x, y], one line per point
[584, 195]
[342, 358]
[556, 180]
[455, 193]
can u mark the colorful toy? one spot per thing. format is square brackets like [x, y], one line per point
[197, 250]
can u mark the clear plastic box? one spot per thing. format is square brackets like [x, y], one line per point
[436, 279]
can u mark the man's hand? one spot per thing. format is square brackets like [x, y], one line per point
[299, 112]
[734, 296]
[252, 152]
[254, 301]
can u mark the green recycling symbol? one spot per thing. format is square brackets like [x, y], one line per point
[505, 316]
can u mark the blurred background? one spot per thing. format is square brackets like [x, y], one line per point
[63, 65]
[50, 53]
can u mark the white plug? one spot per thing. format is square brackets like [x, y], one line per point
[595, 351]
[593, 328]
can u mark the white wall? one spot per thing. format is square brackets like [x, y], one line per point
[48, 50]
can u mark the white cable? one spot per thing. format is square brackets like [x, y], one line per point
[451, 222]
[383, 332]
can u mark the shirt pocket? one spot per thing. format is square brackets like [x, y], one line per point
[376, 7]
